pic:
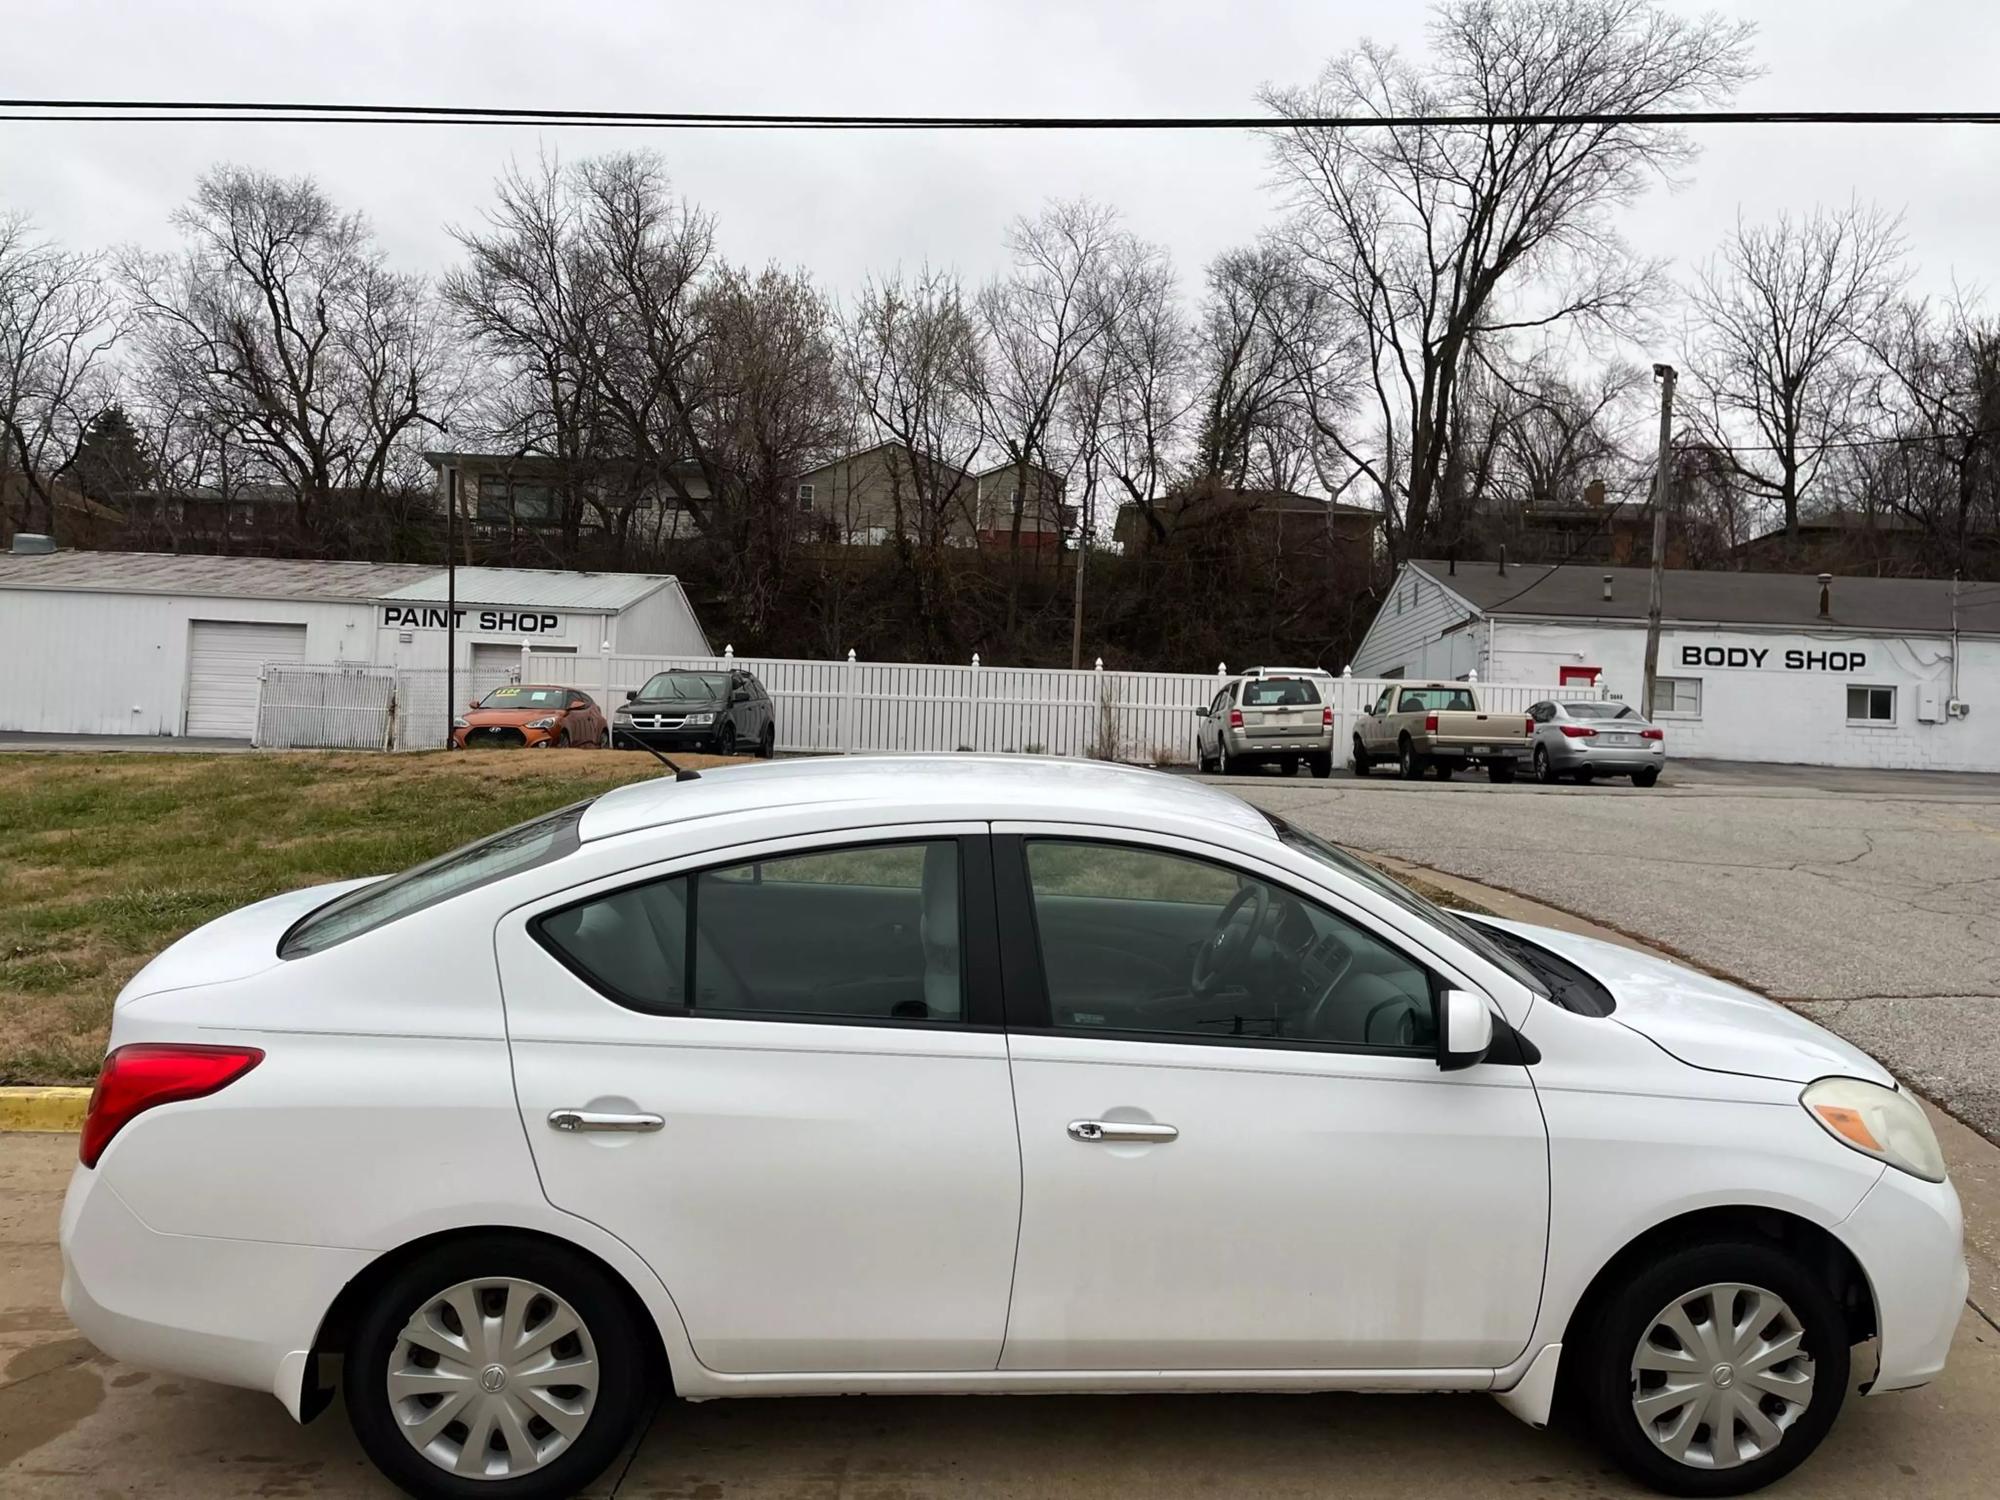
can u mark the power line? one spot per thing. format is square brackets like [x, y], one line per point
[213, 111]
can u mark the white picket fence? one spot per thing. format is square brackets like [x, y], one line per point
[302, 706]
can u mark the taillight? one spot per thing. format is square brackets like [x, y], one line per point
[1652, 734]
[1326, 717]
[1430, 723]
[1579, 731]
[1235, 718]
[1530, 722]
[139, 1076]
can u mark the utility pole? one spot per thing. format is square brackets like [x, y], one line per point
[450, 602]
[1662, 487]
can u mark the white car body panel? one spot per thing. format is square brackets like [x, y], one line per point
[882, 1168]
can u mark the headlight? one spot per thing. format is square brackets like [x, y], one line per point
[1886, 1124]
[623, 713]
[546, 722]
[701, 718]
[458, 723]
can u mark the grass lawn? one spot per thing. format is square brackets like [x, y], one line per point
[107, 858]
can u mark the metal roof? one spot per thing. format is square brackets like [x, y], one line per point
[194, 573]
[290, 578]
[536, 587]
[1699, 596]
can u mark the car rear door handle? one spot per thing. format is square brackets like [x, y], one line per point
[575, 1121]
[1120, 1130]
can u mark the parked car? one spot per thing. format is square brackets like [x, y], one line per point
[980, 1074]
[1591, 738]
[725, 713]
[532, 715]
[1269, 719]
[1440, 727]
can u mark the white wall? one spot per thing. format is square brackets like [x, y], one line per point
[661, 624]
[76, 662]
[580, 630]
[1413, 635]
[1775, 708]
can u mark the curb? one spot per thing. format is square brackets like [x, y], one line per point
[43, 1109]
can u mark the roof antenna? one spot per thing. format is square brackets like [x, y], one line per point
[681, 773]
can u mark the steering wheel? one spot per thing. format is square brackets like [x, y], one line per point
[1226, 948]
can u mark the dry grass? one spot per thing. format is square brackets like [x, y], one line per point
[105, 859]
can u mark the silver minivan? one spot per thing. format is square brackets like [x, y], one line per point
[1271, 718]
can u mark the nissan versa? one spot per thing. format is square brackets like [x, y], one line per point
[977, 1074]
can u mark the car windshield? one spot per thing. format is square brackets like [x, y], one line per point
[508, 852]
[1434, 700]
[693, 685]
[1477, 939]
[1599, 710]
[1285, 691]
[525, 697]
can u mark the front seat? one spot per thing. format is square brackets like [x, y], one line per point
[944, 987]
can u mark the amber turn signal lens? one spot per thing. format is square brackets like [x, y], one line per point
[1848, 1124]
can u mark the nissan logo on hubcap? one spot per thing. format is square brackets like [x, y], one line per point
[1724, 1376]
[493, 1379]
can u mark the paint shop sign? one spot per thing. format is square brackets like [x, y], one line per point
[436, 617]
[1774, 658]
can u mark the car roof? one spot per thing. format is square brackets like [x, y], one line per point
[928, 787]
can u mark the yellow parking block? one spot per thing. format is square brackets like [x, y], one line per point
[53, 1109]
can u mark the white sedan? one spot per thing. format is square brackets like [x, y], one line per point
[971, 1074]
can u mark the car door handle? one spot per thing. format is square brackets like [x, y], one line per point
[575, 1121]
[1120, 1130]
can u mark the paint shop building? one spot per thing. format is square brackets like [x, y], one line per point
[1888, 672]
[174, 644]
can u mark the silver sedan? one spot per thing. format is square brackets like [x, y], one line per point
[1590, 738]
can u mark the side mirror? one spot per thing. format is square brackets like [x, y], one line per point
[473, 704]
[1200, 713]
[1465, 1029]
[576, 703]
[630, 694]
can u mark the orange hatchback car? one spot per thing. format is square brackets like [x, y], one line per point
[536, 717]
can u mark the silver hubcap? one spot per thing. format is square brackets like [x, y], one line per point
[1720, 1375]
[492, 1379]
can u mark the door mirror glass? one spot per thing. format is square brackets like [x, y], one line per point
[1200, 713]
[1465, 1029]
[630, 694]
[578, 703]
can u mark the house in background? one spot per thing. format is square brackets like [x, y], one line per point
[1281, 519]
[862, 498]
[502, 494]
[1045, 519]
[1851, 541]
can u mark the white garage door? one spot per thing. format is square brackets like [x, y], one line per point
[224, 658]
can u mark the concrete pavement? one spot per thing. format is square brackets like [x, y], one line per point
[1875, 907]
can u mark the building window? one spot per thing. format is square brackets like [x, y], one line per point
[1677, 698]
[1871, 705]
[805, 497]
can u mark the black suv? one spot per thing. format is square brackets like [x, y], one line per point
[724, 713]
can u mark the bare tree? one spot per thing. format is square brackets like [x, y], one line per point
[1146, 392]
[1781, 317]
[1432, 237]
[281, 321]
[58, 323]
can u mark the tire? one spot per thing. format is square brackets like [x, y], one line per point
[1545, 771]
[1408, 762]
[1360, 762]
[725, 742]
[1229, 764]
[1500, 772]
[604, 739]
[1292, 766]
[1645, 778]
[514, 1265]
[1443, 769]
[1322, 765]
[767, 747]
[1628, 1323]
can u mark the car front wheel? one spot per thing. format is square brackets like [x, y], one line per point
[1408, 761]
[1360, 762]
[1716, 1370]
[496, 1367]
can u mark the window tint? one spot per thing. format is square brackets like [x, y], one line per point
[1435, 700]
[1598, 711]
[506, 853]
[868, 933]
[1281, 691]
[1147, 943]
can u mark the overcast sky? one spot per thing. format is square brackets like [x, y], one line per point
[843, 204]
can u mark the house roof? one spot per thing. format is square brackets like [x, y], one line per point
[1922, 605]
[289, 578]
[1287, 501]
[848, 458]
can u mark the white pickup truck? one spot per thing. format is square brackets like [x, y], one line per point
[1441, 727]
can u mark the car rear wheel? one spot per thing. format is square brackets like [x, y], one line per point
[1545, 771]
[496, 1366]
[1444, 769]
[1645, 778]
[1408, 761]
[1292, 766]
[1716, 1370]
[1322, 764]
[767, 746]
[1500, 771]
[1360, 761]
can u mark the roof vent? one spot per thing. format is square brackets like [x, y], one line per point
[1607, 588]
[33, 544]
[1826, 596]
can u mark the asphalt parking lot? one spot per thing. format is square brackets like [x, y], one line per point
[1869, 899]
